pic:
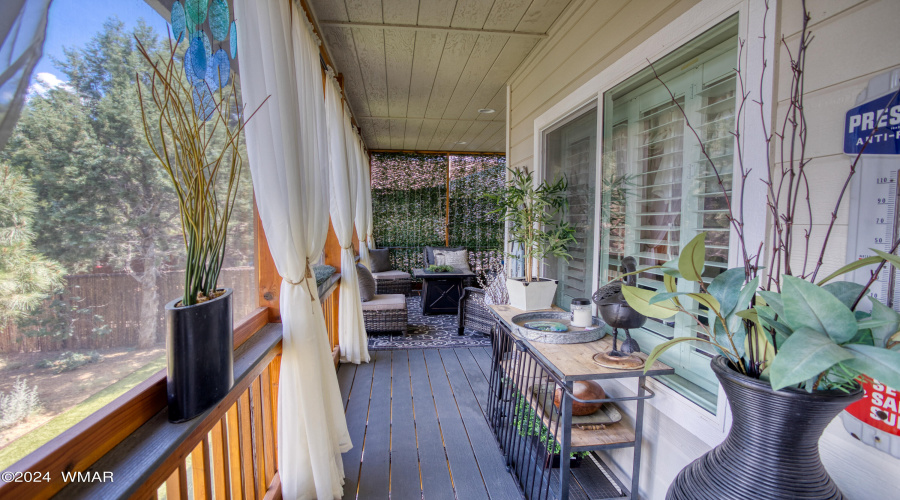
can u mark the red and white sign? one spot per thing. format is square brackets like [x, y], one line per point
[877, 409]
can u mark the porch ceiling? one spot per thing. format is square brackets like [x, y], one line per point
[416, 72]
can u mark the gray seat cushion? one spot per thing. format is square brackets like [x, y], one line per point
[381, 260]
[385, 302]
[391, 275]
[366, 283]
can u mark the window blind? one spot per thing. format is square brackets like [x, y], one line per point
[660, 191]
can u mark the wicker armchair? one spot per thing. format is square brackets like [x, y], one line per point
[473, 313]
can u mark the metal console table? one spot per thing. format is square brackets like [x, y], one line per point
[530, 430]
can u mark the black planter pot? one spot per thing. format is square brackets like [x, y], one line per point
[574, 462]
[199, 351]
[772, 450]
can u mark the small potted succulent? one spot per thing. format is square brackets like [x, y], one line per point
[535, 217]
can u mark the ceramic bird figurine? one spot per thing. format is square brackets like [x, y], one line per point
[617, 313]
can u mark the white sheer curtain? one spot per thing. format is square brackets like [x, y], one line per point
[364, 203]
[288, 153]
[341, 141]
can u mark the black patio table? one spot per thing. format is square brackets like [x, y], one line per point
[441, 291]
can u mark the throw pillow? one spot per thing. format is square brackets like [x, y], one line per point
[429, 253]
[366, 283]
[458, 259]
[381, 260]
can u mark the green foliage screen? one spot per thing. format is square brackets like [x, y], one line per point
[410, 210]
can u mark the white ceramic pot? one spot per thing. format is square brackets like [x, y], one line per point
[531, 296]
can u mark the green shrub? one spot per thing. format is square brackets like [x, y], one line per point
[69, 361]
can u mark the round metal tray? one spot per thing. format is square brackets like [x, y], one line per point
[574, 335]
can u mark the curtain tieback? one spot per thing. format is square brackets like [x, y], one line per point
[305, 278]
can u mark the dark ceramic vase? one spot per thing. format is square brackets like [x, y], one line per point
[772, 449]
[199, 352]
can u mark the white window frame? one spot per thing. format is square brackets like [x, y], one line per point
[711, 428]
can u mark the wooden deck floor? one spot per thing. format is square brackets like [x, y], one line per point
[418, 428]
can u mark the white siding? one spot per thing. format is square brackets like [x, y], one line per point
[854, 40]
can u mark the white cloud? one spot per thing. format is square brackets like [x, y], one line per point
[44, 82]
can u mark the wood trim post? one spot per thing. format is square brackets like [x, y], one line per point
[447, 207]
[267, 276]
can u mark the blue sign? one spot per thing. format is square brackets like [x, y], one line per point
[877, 123]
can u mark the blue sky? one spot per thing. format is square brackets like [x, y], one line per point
[74, 22]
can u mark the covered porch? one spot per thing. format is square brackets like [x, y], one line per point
[558, 88]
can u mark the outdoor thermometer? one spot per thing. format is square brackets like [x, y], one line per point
[875, 223]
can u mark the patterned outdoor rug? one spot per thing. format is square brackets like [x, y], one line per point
[427, 332]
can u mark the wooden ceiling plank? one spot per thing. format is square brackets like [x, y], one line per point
[363, 11]
[436, 12]
[541, 15]
[438, 29]
[381, 132]
[401, 11]
[457, 50]
[498, 73]
[484, 55]
[440, 135]
[489, 131]
[426, 133]
[471, 13]
[497, 103]
[413, 126]
[496, 142]
[370, 52]
[342, 48]
[426, 59]
[398, 132]
[399, 47]
[329, 9]
[474, 130]
[506, 14]
[449, 143]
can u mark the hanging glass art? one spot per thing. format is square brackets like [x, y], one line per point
[196, 11]
[218, 72]
[218, 19]
[233, 39]
[206, 71]
[178, 21]
[197, 55]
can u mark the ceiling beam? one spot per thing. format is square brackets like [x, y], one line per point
[441, 29]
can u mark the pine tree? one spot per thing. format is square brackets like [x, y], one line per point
[102, 197]
[26, 277]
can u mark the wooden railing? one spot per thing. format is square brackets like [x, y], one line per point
[230, 452]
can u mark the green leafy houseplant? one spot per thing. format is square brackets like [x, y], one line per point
[194, 132]
[809, 335]
[440, 268]
[535, 217]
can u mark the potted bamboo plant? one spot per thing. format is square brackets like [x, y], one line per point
[193, 125]
[535, 217]
[792, 343]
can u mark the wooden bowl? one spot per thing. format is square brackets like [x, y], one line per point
[587, 389]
